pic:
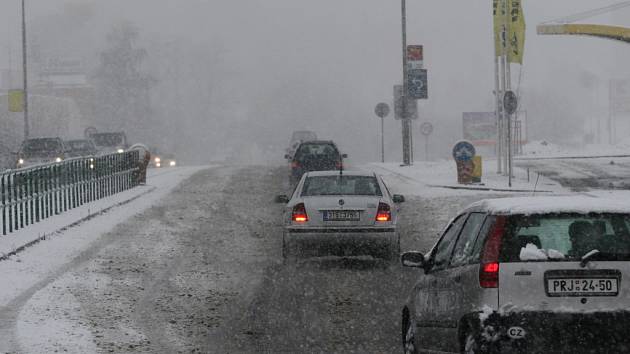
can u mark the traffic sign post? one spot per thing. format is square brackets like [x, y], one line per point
[417, 84]
[510, 105]
[382, 111]
[426, 129]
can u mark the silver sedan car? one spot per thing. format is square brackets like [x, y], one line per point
[341, 213]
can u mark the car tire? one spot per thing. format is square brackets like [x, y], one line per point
[409, 343]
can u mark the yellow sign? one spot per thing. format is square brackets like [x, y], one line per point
[509, 29]
[16, 101]
[477, 169]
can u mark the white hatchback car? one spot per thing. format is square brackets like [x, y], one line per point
[525, 275]
[341, 213]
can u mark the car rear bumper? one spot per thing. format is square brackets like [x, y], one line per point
[551, 332]
[343, 241]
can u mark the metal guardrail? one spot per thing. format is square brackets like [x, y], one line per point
[32, 194]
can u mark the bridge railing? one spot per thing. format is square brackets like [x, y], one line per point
[32, 194]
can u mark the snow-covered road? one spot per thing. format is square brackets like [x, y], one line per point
[195, 266]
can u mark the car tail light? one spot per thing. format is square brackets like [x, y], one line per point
[384, 213]
[489, 269]
[299, 213]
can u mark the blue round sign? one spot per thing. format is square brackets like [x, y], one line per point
[463, 151]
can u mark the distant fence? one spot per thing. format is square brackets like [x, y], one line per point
[32, 194]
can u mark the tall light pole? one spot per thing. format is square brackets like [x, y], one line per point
[406, 120]
[25, 71]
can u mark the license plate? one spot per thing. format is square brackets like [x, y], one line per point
[341, 215]
[583, 286]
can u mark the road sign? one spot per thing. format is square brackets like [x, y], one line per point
[463, 151]
[415, 57]
[382, 110]
[417, 84]
[412, 105]
[426, 128]
[510, 102]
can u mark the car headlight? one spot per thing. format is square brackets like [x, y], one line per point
[21, 162]
[158, 165]
[120, 151]
[158, 160]
[91, 166]
[58, 159]
[172, 163]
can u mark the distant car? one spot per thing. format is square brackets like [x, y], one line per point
[347, 214]
[109, 143]
[298, 137]
[159, 160]
[80, 147]
[314, 156]
[524, 275]
[38, 151]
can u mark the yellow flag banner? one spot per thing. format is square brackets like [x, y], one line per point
[516, 32]
[16, 101]
[509, 29]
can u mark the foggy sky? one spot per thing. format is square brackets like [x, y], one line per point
[280, 65]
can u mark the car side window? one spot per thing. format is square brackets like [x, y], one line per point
[462, 254]
[444, 248]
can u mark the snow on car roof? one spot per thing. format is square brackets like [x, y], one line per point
[336, 173]
[546, 205]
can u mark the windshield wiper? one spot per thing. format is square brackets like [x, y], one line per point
[587, 257]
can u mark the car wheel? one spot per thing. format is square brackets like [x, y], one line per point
[471, 344]
[410, 340]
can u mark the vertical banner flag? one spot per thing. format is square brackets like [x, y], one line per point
[516, 32]
[512, 12]
[16, 101]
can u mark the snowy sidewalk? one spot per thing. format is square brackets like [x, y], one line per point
[437, 178]
[157, 179]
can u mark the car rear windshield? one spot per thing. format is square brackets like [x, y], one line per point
[560, 237]
[327, 151]
[42, 146]
[108, 139]
[341, 185]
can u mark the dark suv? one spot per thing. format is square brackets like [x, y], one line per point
[315, 156]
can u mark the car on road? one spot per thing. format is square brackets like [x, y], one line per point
[296, 138]
[317, 155]
[524, 275]
[341, 214]
[110, 142]
[160, 160]
[80, 147]
[36, 151]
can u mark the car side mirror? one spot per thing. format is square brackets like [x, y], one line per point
[397, 198]
[282, 199]
[413, 259]
[345, 156]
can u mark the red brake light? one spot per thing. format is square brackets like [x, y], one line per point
[299, 213]
[384, 213]
[489, 270]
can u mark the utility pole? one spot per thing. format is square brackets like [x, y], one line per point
[406, 120]
[25, 72]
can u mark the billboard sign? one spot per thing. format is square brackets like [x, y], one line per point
[480, 128]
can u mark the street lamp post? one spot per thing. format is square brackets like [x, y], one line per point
[406, 120]
[25, 72]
